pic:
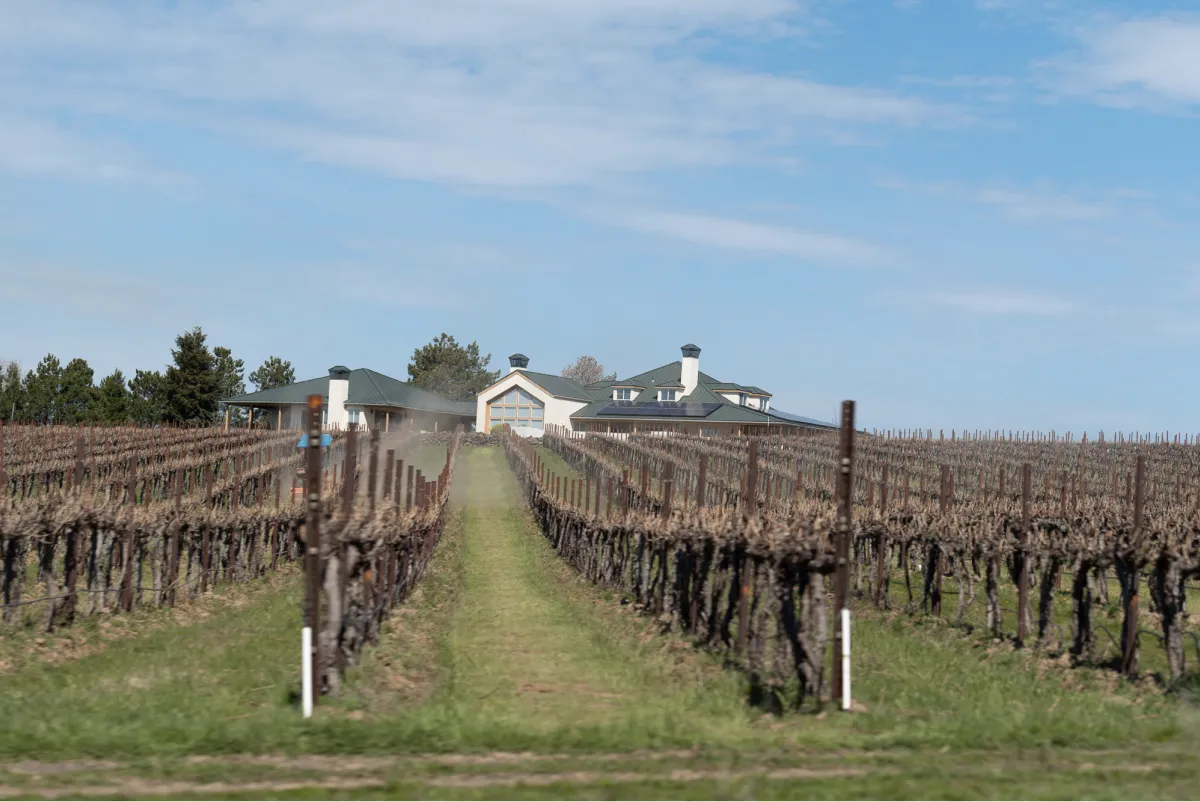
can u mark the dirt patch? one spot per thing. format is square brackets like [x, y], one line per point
[568, 690]
[36, 768]
[680, 775]
[349, 763]
[128, 787]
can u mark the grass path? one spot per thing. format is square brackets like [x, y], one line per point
[529, 650]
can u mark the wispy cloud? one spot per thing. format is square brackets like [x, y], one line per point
[754, 237]
[1151, 63]
[509, 93]
[1042, 202]
[999, 301]
[35, 147]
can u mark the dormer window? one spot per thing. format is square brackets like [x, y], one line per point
[742, 399]
[666, 395]
[623, 395]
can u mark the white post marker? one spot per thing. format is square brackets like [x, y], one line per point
[845, 658]
[306, 682]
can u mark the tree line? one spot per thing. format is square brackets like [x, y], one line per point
[189, 390]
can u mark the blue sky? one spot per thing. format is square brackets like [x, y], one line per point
[960, 214]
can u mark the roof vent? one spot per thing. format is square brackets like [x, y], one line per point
[517, 362]
[339, 371]
[691, 350]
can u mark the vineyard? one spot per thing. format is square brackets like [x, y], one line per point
[733, 540]
[98, 520]
[586, 596]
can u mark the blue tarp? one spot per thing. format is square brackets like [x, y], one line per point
[325, 441]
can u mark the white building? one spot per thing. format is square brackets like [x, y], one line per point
[676, 397]
[365, 398]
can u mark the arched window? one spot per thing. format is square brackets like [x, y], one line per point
[516, 408]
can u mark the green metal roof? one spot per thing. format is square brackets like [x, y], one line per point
[557, 386]
[366, 387]
[707, 391]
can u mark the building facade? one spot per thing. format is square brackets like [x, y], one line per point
[676, 397]
[363, 398]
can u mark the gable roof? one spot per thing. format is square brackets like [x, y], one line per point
[557, 386]
[708, 391]
[367, 387]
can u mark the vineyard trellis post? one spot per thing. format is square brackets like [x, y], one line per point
[311, 655]
[1129, 639]
[841, 593]
[881, 545]
[1023, 556]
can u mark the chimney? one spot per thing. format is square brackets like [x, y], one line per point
[517, 362]
[339, 391]
[691, 368]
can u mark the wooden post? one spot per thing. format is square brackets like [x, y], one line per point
[881, 543]
[841, 588]
[350, 470]
[1129, 639]
[312, 540]
[226, 418]
[702, 483]
[388, 468]
[1023, 573]
[749, 503]
[668, 489]
[944, 502]
[373, 468]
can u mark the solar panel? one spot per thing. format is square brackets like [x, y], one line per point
[800, 419]
[660, 409]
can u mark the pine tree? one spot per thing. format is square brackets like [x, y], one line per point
[76, 395]
[275, 372]
[113, 400]
[193, 387]
[148, 397]
[13, 398]
[229, 379]
[42, 390]
[451, 370]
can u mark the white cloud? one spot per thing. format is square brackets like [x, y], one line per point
[998, 301]
[1151, 62]
[510, 93]
[749, 236]
[34, 147]
[1041, 202]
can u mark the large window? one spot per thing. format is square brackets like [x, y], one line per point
[516, 408]
[355, 415]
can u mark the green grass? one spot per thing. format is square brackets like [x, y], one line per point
[503, 648]
[1153, 659]
[556, 464]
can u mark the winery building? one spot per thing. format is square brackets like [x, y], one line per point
[675, 397]
[364, 397]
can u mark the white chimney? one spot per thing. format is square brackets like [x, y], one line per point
[517, 362]
[339, 391]
[691, 368]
